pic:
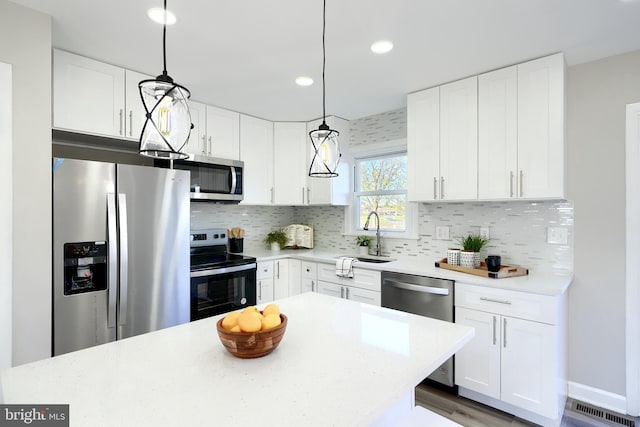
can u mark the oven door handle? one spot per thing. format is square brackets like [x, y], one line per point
[417, 288]
[218, 271]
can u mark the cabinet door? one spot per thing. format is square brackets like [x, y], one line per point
[307, 285]
[295, 284]
[257, 155]
[264, 291]
[459, 140]
[88, 96]
[478, 362]
[423, 145]
[333, 191]
[363, 295]
[223, 139]
[529, 366]
[541, 110]
[498, 134]
[281, 279]
[135, 114]
[330, 289]
[198, 140]
[289, 157]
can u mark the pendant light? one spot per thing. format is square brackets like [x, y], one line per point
[168, 125]
[324, 140]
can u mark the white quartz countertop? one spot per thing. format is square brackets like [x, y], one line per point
[340, 363]
[537, 283]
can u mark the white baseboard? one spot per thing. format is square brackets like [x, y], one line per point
[601, 398]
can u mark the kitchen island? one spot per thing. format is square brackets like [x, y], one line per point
[340, 363]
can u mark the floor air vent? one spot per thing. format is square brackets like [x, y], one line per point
[610, 418]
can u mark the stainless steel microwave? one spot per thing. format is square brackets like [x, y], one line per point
[213, 179]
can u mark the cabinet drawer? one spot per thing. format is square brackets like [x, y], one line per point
[265, 270]
[309, 270]
[523, 305]
[364, 279]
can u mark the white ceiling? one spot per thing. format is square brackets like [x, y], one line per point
[245, 55]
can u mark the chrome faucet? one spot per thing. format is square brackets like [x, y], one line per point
[366, 227]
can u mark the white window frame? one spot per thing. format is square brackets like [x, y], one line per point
[351, 222]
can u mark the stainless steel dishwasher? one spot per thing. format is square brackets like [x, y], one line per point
[425, 296]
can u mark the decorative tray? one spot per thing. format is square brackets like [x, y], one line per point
[505, 270]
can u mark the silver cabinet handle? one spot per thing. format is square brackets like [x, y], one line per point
[347, 292]
[260, 290]
[124, 258]
[341, 292]
[210, 151]
[271, 194]
[435, 188]
[313, 286]
[121, 112]
[308, 195]
[442, 187]
[130, 122]
[521, 180]
[511, 184]
[504, 332]
[204, 144]
[112, 275]
[303, 195]
[494, 330]
[417, 288]
[499, 301]
[277, 269]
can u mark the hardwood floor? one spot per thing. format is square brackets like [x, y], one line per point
[472, 414]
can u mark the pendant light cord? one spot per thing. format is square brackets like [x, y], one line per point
[164, 40]
[324, 59]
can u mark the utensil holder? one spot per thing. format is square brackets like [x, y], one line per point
[236, 245]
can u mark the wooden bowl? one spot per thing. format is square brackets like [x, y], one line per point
[249, 345]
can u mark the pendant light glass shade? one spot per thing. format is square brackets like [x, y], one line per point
[326, 152]
[324, 140]
[167, 127]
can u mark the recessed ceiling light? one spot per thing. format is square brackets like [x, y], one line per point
[381, 46]
[157, 14]
[304, 81]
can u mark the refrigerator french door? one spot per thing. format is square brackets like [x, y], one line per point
[121, 251]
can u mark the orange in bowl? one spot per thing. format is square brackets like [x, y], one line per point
[250, 345]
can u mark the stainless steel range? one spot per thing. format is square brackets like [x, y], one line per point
[220, 281]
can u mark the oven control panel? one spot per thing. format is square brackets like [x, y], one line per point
[209, 237]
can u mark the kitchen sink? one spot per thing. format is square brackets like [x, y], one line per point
[372, 259]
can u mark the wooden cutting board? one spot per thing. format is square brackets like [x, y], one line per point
[505, 270]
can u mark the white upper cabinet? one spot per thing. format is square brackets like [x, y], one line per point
[88, 95]
[498, 134]
[135, 114]
[423, 144]
[256, 151]
[223, 139]
[330, 191]
[541, 127]
[459, 140]
[290, 165]
[198, 140]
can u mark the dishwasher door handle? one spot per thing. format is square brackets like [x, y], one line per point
[417, 288]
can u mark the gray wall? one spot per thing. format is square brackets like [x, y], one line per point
[25, 42]
[597, 95]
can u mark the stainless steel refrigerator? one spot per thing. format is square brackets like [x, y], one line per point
[120, 251]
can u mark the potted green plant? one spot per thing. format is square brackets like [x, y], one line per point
[277, 239]
[472, 244]
[363, 242]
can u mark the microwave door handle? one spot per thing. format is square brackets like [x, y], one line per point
[124, 258]
[112, 260]
[234, 180]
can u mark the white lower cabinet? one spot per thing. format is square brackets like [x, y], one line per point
[308, 277]
[364, 286]
[264, 282]
[518, 355]
[281, 278]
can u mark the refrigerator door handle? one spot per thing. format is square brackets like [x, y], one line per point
[112, 231]
[124, 258]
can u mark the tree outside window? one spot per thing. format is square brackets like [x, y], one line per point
[381, 186]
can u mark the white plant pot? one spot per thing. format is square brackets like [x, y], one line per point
[467, 259]
[275, 246]
[364, 250]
